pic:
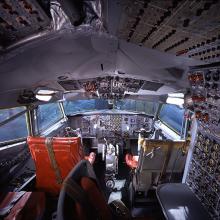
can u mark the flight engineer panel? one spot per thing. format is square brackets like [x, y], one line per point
[204, 173]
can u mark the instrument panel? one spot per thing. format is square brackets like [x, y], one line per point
[112, 125]
[204, 171]
[107, 87]
[205, 91]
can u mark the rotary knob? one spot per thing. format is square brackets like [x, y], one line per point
[207, 141]
[208, 76]
[216, 76]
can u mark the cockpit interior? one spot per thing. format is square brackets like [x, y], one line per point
[109, 109]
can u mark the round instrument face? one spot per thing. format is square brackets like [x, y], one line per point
[214, 155]
[216, 147]
[110, 183]
[206, 149]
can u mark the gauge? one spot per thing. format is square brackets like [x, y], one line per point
[203, 163]
[211, 162]
[110, 183]
[216, 147]
[204, 156]
[206, 149]
[207, 142]
[199, 144]
[214, 155]
[197, 151]
[200, 137]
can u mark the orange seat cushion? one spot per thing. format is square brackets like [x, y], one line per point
[68, 152]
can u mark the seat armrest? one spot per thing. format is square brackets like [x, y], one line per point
[178, 201]
[91, 157]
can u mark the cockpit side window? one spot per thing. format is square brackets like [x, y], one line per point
[172, 116]
[13, 124]
[47, 115]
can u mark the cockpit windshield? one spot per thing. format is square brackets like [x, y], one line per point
[172, 116]
[77, 106]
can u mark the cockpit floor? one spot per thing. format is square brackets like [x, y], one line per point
[144, 206]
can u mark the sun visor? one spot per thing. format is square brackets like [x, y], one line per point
[70, 85]
[152, 86]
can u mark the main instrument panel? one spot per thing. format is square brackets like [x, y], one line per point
[112, 125]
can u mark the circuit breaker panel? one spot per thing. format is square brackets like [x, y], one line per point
[19, 19]
[184, 28]
[204, 173]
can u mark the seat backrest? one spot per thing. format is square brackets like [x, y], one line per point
[67, 153]
[81, 196]
[158, 157]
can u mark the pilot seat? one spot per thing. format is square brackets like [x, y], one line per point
[54, 158]
[81, 198]
[157, 158]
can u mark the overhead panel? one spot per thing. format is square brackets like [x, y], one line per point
[181, 27]
[110, 87]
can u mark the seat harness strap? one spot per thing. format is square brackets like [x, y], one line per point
[53, 162]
